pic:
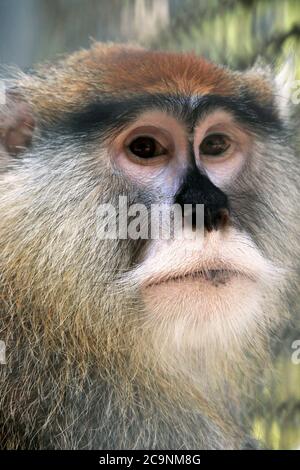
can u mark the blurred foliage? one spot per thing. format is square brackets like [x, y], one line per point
[231, 32]
[277, 416]
[235, 32]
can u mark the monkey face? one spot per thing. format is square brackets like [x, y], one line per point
[156, 128]
[197, 294]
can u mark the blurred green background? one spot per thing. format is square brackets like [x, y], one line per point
[232, 32]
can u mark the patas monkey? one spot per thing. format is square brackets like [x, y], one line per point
[139, 343]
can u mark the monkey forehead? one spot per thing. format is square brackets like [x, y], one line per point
[116, 70]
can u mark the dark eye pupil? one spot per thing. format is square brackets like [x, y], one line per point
[214, 144]
[143, 147]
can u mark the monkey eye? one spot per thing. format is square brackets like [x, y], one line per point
[214, 145]
[146, 147]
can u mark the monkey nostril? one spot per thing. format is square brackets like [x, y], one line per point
[208, 219]
[216, 218]
[223, 217]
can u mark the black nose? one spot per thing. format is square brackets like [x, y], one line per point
[198, 189]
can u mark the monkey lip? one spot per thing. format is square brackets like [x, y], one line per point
[214, 276]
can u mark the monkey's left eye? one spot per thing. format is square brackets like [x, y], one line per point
[214, 145]
[146, 147]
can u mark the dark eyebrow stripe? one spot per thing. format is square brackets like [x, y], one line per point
[102, 117]
[246, 109]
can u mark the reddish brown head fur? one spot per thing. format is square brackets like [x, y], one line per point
[113, 70]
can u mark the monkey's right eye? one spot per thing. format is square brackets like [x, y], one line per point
[146, 147]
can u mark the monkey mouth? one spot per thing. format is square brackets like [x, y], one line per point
[214, 276]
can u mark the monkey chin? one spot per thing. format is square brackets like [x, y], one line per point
[204, 320]
[208, 302]
[204, 306]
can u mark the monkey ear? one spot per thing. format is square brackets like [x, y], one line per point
[16, 125]
[285, 82]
